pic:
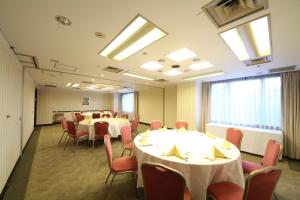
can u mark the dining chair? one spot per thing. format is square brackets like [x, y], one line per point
[107, 115]
[134, 126]
[161, 183]
[272, 154]
[155, 125]
[96, 115]
[120, 165]
[126, 139]
[74, 116]
[125, 115]
[260, 184]
[64, 126]
[76, 135]
[115, 114]
[101, 129]
[79, 118]
[180, 124]
[234, 136]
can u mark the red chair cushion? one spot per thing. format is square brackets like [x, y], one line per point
[122, 164]
[187, 194]
[225, 191]
[81, 134]
[128, 146]
[249, 167]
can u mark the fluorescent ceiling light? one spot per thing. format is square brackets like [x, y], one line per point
[137, 35]
[68, 85]
[107, 88]
[92, 87]
[146, 40]
[181, 55]
[105, 85]
[137, 76]
[218, 73]
[152, 66]
[172, 72]
[260, 32]
[75, 85]
[200, 65]
[234, 41]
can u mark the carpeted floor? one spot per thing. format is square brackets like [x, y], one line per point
[59, 174]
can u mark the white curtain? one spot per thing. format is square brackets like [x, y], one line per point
[128, 104]
[252, 102]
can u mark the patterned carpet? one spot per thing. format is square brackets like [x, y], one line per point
[59, 174]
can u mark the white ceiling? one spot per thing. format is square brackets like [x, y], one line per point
[31, 28]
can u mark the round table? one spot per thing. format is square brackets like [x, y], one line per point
[114, 128]
[198, 171]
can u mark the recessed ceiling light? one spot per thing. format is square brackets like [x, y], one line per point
[196, 59]
[138, 76]
[137, 35]
[99, 35]
[152, 66]
[68, 84]
[172, 72]
[200, 65]
[75, 85]
[181, 55]
[161, 60]
[63, 20]
[102, 75]
[210, 74]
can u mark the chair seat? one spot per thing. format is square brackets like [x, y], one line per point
[97, 137]
[122, 164]
[249, 167]
[225, 191]
[128, 146]
[187, 194]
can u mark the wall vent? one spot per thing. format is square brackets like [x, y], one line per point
[282, 69]
[161, 80]
[258, 61]
[225, 11]
[87, 82]
[48, 85]
[112, 69]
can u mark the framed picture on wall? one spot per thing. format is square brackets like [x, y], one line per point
[85, 101]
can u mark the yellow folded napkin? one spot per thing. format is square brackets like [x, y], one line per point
[226, 145]
[182, 129]
[144, 141]
[210, 135]
[176, 152]
[213, 153]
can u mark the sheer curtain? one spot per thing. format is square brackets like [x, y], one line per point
[250, 102]
[128, 104]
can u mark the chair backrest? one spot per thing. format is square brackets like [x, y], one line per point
[101, 129]
[126, 134]
[134, 124]
[63, 122]
[180, 124]
[125, 115]
[155, 125]
[234, 136]
[71, 128]
[107, 115]
[161, 182]
[115, 114]
[96, 115]
[260, 184]
[272, 153]
[108, 149]
[79, 118]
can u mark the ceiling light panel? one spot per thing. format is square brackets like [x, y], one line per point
[68, 84]
[200, 65]
[75, 85]
[137, 35]
[152, 66]
[210, 74]
[181, 55]
[172, 72]
[250, 41]
[138, 76]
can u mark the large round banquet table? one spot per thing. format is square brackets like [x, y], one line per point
[114, 128]
[192, 153]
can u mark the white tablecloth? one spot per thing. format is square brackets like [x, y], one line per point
[114, 128]
[198, 171]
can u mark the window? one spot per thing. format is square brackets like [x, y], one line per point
[250, 102]
[128, 103]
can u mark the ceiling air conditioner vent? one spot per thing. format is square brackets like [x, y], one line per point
[48, 85]
[225, 11]
[258, 61]
[161, 80]
[87, 82]
[112, 69]
[282, 69]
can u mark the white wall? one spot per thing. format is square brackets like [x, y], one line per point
[50, 100]
[10, 110]
[151, 104]
[188, 104]
[170, 110]
[28, 108]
